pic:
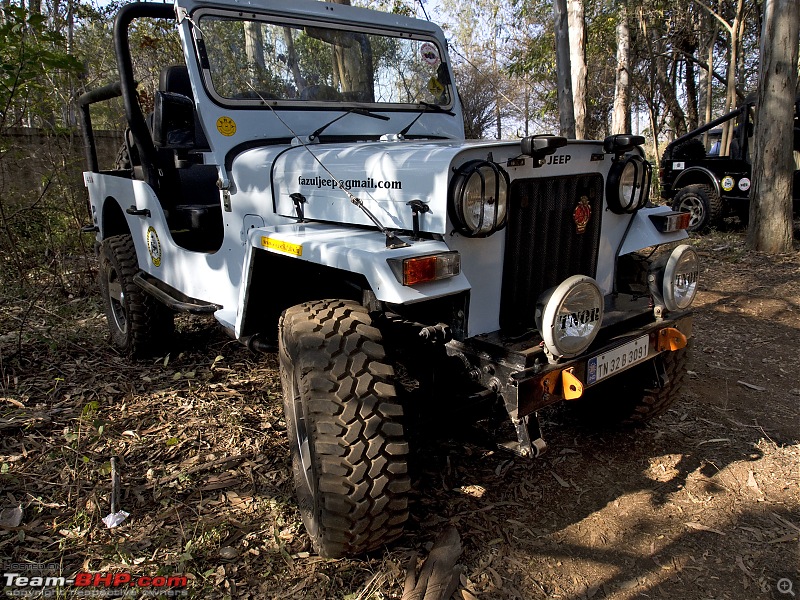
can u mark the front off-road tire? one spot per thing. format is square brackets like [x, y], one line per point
[634, 397]
[703, 202]
[344, 423]
[139, 324]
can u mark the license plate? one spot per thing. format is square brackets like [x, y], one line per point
[617, 359]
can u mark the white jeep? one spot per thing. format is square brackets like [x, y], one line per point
[303, 177]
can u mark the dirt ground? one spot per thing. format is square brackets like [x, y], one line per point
[702, 503]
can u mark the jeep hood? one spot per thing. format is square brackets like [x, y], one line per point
[385, 176]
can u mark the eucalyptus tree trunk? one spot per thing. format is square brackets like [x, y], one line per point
[577, 60]
[566, 110]
[773, 164]
[706, 91]
[687, 43]
[353, 66]
[291, 59]
[621, 117]
[254, 49]
[734, 32]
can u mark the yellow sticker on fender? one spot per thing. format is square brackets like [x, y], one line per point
[226, 126]
[281, 246]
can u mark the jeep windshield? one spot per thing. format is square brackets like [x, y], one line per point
[251, 60]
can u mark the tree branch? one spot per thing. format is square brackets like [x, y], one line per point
[739, 93]
[714, 14]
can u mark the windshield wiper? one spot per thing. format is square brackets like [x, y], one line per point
[427, 107]
[358, 111]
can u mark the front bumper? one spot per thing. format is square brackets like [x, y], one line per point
[526, 381]
[540, 386]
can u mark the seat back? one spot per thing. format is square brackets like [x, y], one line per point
[174, 79]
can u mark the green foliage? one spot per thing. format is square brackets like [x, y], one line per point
[29, 53]
[38, 201]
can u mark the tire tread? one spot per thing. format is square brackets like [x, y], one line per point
[347, 384]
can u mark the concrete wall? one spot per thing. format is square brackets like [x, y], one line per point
[34, 161]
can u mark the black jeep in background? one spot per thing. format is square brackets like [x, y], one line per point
[698, 176]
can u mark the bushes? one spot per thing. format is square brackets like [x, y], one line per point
[42, 207]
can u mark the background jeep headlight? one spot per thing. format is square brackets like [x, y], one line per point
[570, 315]
[478, 197]
[680, 278]
[628, 185]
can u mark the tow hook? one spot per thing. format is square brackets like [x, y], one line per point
[530, 443]
[435, 334]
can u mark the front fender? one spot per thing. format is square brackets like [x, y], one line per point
[359, 251]
[642, 233]
[691, 175]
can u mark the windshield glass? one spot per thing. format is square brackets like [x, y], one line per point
[249, 60]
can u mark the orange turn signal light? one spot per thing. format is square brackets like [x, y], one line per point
[668, 222]
[422, 269]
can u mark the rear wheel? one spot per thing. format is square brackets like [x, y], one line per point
[635, 397]
[704, 204]
[344, 422]
[139, 324]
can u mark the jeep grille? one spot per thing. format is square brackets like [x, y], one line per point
[543, 246]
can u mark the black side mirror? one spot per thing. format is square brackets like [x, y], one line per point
[539, 146]
[173, 121]
[622, 143]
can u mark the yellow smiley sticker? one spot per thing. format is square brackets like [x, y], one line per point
[226, 126]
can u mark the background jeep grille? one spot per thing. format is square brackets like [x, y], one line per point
[543, 246]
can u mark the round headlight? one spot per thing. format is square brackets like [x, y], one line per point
[478, 198]
[570, 315]
[680, 278]
[628, 185]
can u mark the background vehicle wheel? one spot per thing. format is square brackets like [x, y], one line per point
[633, 397]
[344, 423]
[703, 202]
[139, 324]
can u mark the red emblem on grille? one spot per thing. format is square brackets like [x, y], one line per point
[582, 214]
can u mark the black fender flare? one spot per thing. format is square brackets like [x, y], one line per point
[714, 182]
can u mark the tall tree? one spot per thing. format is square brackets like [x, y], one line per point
[706, 87]
[735, 31]
[773, 165]
[577, 59]
[566, 108]
[621, 116]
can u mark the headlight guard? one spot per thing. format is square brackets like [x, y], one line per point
[478, 198]
[628, 184]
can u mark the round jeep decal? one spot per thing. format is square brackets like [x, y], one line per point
[226, 126]
[154, 246]
[429, 53]
[727, 183]
[744, 184]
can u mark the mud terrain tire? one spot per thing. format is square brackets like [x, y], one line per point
[703, 202]
[139, 324]
[349, 454]
[633, 398]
